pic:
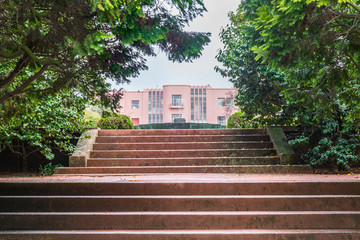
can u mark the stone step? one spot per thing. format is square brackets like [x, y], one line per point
[182, 153]
[180, 132]
[219, 234]
[185, 169]
[181, 145]
[179, 203]
[181, 138]
[178, 188]
[110, 162]
[179, 220]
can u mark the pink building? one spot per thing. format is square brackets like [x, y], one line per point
[196, 104]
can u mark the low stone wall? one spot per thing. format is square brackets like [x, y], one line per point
[283, 148]
[83, 148]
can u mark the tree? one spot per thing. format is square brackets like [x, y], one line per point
[55, 56]
[79, 44]
[315, 43]
[259, 96]
[314, 47]
[42, 124]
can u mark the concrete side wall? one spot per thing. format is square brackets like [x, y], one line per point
[84, 146]
[283, 148]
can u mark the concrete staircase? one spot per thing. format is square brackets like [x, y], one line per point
[180, 210]
[183, 151]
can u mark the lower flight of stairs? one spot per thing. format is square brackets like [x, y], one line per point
[183, 151]
[180, 210]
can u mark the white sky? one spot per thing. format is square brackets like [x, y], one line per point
[200, 71]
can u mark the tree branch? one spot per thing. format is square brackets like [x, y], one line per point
[21, 63]
[13, 150]
[46, 61]
[346, 16]
[354, 6]
[18, 53]
[20, 89]
[34, 151]
[353, 60]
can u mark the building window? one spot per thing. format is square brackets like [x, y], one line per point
[221, 120]
[221, 102]
[174, 116]
[225, 102]
[198, 105]
[229, 102]
[192, 106]
[155, 107]
[135, 104]
[176, 100]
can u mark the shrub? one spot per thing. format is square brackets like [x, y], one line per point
[238, 120]
[41, 124]
[333, 142]
[115, 121]
[92, 117]
[48, 169]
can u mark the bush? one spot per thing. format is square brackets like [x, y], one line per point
[115, 121]
[48, 169]
[238, 120]
[41, 124]
[333, 142]
[92, 117]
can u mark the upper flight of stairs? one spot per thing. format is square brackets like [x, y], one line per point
[183, 151]
[180, 210]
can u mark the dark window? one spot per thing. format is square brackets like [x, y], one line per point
[176, 100]
[221, 120]
[221, 102]
[135, 104]
[229, 102]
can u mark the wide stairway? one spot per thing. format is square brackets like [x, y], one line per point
[183, 151]
[180, 210]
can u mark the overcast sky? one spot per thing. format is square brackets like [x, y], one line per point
[200, 71]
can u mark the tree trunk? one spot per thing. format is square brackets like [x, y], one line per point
[24, 164]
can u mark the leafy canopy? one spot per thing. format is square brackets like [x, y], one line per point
[78, 44]
[55, 56]
[299, 61]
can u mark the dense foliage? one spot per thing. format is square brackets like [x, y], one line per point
[115, 121]
[259, 86]
[297, 62]
[55, 56]
[237, 120]
[47, 45]
[42, 124]
[48, 169]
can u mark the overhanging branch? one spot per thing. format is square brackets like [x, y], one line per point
[354, 6]
[46, 61]
[20, 89]
[13, 150]
[18, 53]
[20, 64]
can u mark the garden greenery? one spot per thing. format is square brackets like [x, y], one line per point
[55, 58]
[297, 63]
[115, 121]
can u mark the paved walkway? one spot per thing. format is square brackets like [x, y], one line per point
[190, 178]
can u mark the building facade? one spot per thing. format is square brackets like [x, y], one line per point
[196, 104]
